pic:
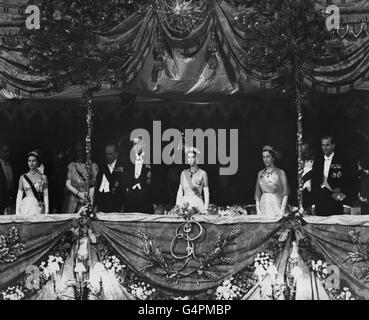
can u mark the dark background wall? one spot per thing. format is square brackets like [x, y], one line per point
[56, 126]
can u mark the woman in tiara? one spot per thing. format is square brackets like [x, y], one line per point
[193, 184]
[35, 186]
[271, 193]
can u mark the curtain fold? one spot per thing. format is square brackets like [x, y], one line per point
[123, 238]
[38, 239]
[334, 242]
[336, 238]
[147, 29]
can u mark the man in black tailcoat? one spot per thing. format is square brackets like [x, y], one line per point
[308, 158]
[110, 183]
[331, 180]
[138, 177]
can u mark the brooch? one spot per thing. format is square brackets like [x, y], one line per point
[337, 175]
[336, 166]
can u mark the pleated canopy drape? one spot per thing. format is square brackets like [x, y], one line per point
[202, 54]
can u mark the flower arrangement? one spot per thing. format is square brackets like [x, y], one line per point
[264, 259]
[10, 246]
[228, 211]
[87, 211]
[114, 264]
[233, 288]
[12, 293]
[185, 211]
[141, 291]
[228, 290]
[52, 265]
[235, 210]
[135, 286]
[341, 294]
[297, 212]
[320, 269]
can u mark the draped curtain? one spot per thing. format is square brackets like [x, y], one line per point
[211, 57]
[332, 237]
[39, 236]
[123, 237]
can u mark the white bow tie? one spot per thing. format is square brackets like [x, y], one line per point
[327, 157]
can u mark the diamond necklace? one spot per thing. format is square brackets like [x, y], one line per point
[192, 172]
[268, 173]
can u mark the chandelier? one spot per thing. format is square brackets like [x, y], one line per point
[180, 16]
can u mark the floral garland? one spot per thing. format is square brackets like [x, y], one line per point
[320, 270]
[264, 259]
[228, 211]
[186, 211]
[236, 286]
[10, 246]
[141, 291]
[12, 293]
[231, 211]
[135, 286]
[81, 225]
[341, 294]
[114, 264]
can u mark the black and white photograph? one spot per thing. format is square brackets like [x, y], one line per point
[199, 150]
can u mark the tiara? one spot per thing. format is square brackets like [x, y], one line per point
[272, 150]
[191, 149]
[34, 153]
[269, 148]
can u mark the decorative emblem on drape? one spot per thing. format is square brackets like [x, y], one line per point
[174, 267]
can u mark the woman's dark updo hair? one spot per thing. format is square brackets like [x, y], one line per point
[36, 154]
